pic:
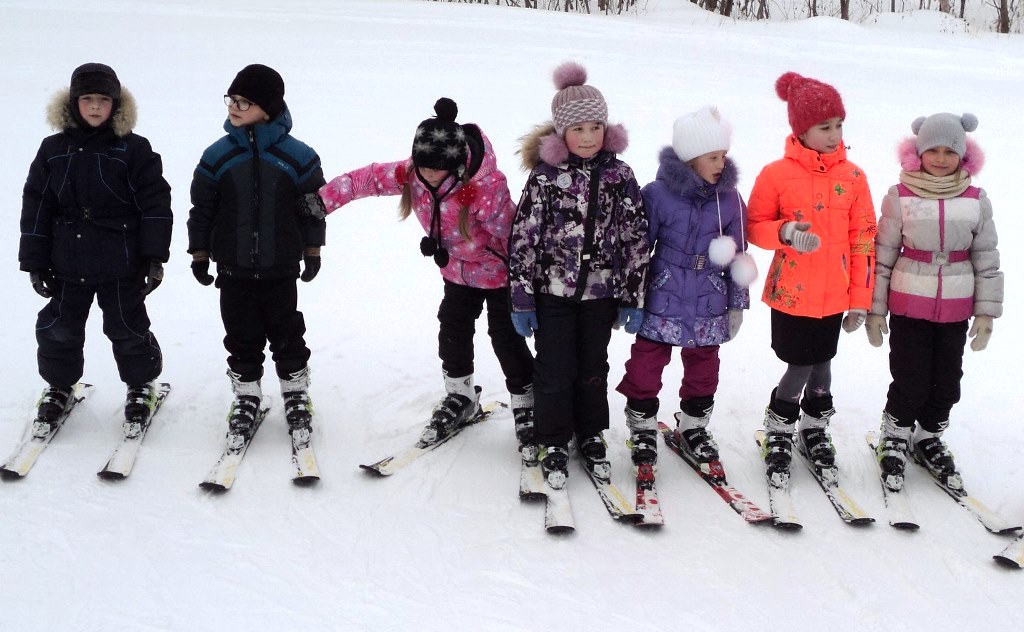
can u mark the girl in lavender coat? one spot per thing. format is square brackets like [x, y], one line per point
[453, 186]
[697, 285]
[937, 267]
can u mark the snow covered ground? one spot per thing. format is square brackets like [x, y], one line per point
[447, 544]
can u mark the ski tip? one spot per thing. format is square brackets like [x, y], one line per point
[787, 526]
[10, 475]
[905, 526]
[560, 529]
[1014, 531]
[306, 481]
[861, 522]
[1006, 562]
[374, 470]
[532, 496]
[215, 488]
[109, 475]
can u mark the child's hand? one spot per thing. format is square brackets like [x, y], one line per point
[42, 282]
[525, 323]
[632, 318]
[735, 320]
[310, 264]
[875, 326]
[312, 205]
[854, 319]
[153, 276]
[981, 331]
[796, 234]
[201, 267]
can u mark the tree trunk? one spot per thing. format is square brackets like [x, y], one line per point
[1004, 17]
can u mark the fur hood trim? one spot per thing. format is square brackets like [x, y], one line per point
[682, 180]
[972, 162]
[58, 113]
[543, 145]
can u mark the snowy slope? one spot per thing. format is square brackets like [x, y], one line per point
[447, 544]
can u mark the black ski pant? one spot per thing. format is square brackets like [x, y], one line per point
[926, 362]
[459, 310]
[570, 376]
[60, 331]
[257, 311]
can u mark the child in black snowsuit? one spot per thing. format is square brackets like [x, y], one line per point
[246, 197]
[95, 222]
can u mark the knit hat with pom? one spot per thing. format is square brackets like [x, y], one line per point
[440, 142]
[810, 101]
[575, 102]
[699, 133]
[944, 130]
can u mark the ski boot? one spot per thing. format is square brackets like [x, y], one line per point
[641, 419]
[814, 441]
[891, 451]
[460, 404]
[298, 407]
[244, 411]
[594, 452]
[691, 425]
[140, 402]
[554, 461]
[522, 413]
[53, 403]
[931, 452]
[777, 451]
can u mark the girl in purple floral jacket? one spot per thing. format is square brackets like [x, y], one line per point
[577, 260]
[697, 285]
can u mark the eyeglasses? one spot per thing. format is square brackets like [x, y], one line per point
[241, 104]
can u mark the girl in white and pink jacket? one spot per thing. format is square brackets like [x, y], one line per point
[937, 267]
[453, 186]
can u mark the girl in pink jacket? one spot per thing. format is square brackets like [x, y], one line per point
[453, 186]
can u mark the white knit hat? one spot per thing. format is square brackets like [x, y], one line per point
[699, 133]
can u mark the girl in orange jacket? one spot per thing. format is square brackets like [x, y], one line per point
[814, 209]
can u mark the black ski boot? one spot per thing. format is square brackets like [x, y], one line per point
[139, 405]
[594, 451]
[641, 419]
[460, 404]
[53, 403]
[554, 461]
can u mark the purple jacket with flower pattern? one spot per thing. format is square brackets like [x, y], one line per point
[689, 297]
[548, 229]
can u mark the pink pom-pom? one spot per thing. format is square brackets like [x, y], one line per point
[906, 153]
[743, 270]
[570, 74]
[783, 83]
[721, 250]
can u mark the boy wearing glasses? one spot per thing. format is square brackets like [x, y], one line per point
[246, 195]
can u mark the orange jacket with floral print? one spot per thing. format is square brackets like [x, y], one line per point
[831, 193]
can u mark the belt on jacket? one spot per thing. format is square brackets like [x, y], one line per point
[941, 258]
[681, 259]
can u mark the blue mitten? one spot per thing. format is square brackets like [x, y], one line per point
[525, 323]
[631, 318]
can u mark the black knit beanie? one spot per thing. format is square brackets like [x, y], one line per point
[440, 142]
[95, 78]
[262, 85]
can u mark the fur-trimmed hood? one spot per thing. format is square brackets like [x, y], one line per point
[543, 145]
[682, 180]
[122, 121]
[972, 162]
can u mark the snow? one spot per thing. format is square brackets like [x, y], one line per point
[446, 544]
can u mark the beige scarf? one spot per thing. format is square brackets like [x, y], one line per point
[931, 187]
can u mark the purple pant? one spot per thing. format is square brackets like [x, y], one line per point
[648, 359]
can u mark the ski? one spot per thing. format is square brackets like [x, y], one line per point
[121, 462]
[391, 464]
[222, 476]
[1013, 555]
[557, 509]
[303, 458]
[993, 522]
[779, 499]
[618, 506]
[31, 445]
[715, 477]
[647, 505]
[896, 506]
[531, 475]
[848, 510]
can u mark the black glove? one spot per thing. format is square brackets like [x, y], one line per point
[311, 266]
[153, 276]
[312, 205]
[201, 271]
[42, 282]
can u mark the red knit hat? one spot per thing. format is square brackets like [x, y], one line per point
[810, 101]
